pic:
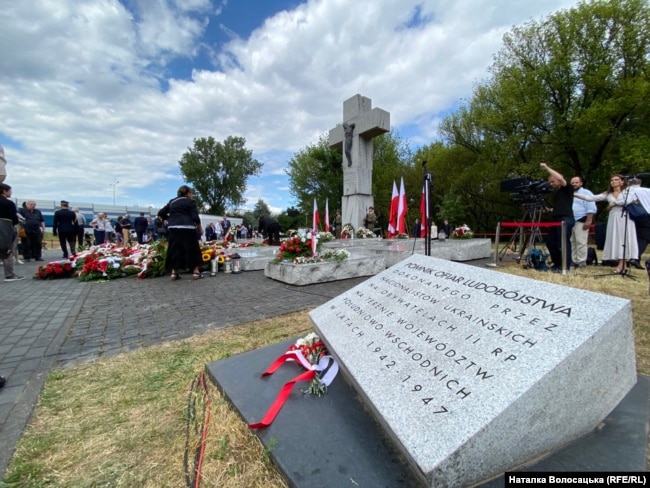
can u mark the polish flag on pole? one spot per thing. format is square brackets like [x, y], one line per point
[392, 216]
[424, 212]
[327, 216]
[402, 209]
[314, 232]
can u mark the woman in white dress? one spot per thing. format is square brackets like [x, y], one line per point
[620, 239]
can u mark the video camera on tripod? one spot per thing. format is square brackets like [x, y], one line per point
[525, 191]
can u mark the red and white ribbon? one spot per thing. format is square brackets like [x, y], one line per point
[327, 366]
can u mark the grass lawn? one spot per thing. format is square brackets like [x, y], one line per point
[122, 421]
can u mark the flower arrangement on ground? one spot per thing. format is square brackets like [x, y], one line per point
[462, 232]
[403, 236]
[347, 232]
[99, 263]
[55, 270]
[312, 348]
[364, 233]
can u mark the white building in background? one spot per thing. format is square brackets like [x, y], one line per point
[90, 210]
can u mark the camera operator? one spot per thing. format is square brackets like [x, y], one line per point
[562, 212]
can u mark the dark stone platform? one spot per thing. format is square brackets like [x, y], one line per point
[334, 441]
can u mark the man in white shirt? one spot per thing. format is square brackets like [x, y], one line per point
[583, 213]
[642, 195]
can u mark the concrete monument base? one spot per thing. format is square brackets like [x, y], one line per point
[308, 274]
[395, 250]
[256, 258]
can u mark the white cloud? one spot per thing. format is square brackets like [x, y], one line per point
[87, 97]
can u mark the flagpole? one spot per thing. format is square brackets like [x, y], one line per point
[427, 179]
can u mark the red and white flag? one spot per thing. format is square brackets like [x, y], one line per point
[392, 215]
[424, 212]
[402, 209]
[327, 216]
[314, 232]
[316, 219]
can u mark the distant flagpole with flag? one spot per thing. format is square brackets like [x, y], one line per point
[424, 212]
[402, 209]
[392, 215]
[327, 216]
[314, 233]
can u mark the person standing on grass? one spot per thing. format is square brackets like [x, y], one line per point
[642, 224]
[562, 211]
[583, 214]
[620, 239]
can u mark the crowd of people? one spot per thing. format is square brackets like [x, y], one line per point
[626, 238]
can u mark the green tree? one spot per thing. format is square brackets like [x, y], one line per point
[571, 90]
[219, 172]
[316, 172]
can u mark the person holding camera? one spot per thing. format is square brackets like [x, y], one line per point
[562, 211]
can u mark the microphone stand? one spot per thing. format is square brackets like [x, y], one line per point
[427, 183]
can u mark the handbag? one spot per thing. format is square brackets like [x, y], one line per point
[21, 233]
[636, 211]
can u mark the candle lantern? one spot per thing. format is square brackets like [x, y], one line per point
[214, 267]
[236, 264]
[227, 265]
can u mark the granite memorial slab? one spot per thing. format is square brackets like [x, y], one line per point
[473, 372]
[340, 444]
[307, 274]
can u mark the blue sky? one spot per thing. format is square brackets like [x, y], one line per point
[94, 92]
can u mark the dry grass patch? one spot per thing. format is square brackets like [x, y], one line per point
[600, 279]
[121, 421]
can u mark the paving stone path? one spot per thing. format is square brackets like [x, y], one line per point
[47, 324]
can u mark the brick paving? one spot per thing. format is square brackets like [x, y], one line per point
[59, 323]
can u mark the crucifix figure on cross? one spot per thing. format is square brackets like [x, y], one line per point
[361, 124]
[348, 130]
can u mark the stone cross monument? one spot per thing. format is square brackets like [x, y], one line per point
[361, 123]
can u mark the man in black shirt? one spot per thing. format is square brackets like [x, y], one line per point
[562, 212]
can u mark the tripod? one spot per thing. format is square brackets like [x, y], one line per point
[533, 215]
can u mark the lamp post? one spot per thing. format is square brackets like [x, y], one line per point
[114, 185]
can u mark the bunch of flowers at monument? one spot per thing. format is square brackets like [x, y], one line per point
[327, 255]
[326, 236]
[299, 245]
[320, 370]
[403, 236]
[107, 261]
[99, 263]
[462, 232]
[364, 233]
[55, 270]
[312, 348]
[146, 260]
[347, 232]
